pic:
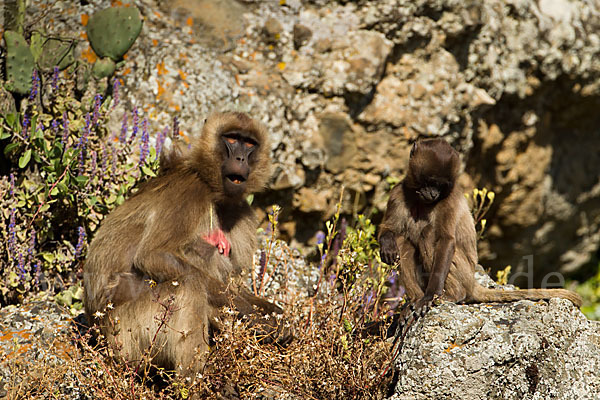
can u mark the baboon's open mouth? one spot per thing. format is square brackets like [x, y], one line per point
[236, 179]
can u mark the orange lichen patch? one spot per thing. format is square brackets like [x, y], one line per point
[162, 70]
[84, 19]
[189, 21]
[127, 70]
[117, 3]
[83, 35]
[185, 137]
[452, 346]
[24, 334]
[161, 90]
[125, 57]
[182, 75]
[89, 55]
[183, 56]
[157, 14]
[177, 108]
[187, 86]
[154, 42]
[281, 66]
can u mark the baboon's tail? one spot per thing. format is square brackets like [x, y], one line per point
[486, 295]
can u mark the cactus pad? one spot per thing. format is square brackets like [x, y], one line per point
[103, 67]
[112, 31]
[19, 63]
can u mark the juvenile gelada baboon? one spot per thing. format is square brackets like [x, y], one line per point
[429, 231]
[177, 241]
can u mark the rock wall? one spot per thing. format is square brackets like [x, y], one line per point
[345, 87]
[521, 350]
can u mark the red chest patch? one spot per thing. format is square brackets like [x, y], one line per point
[217, 238]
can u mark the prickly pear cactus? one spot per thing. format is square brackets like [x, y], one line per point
[19, 63]
[112, 31]
[103, 67]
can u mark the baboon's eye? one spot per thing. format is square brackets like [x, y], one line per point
[231, 140]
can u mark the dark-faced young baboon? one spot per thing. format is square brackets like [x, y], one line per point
[172, 247]
[429, 230]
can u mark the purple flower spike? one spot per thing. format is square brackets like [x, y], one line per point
[97, 104]
[55, 79]
[80, 242]
[160, 140]
[116, 85]
[320, 237]
[12, 184]
[65, 124]
[35, 85]
[12, 233]
[26, 123]
[123, 135]
[135, 128]
[144, 146]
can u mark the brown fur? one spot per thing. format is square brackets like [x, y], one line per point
[157, 235]
[435, 244]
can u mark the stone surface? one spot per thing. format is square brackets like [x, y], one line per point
[521, 350]
[514, 86]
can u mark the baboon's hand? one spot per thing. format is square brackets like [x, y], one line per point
[388, 248]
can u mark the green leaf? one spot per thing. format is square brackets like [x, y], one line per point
[11, 119]
[9, 148]
[81, 180]
[50, 257]
[120, 199]
[4, 134]
[147, 171]
[24, 160]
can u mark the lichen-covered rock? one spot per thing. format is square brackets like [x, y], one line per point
[521, 350]
[514, 85]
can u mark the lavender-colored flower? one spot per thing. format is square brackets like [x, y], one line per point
[104, 159]
[35, 84]
[65, 123]
[26, 123]
[144, 150]
[80, 242]
[116, 85]
[263, 259]
[113, 169]
[94, 157]
[55, 79]
[123, 135]
[160, 140]
[320, 237]
[135, 128]
[82, 144]
[54, 126]
[12, 233]
[21, 266]
[12, 185]
[97, 104]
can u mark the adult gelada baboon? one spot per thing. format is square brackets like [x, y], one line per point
[177, 241]
[429, 230]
